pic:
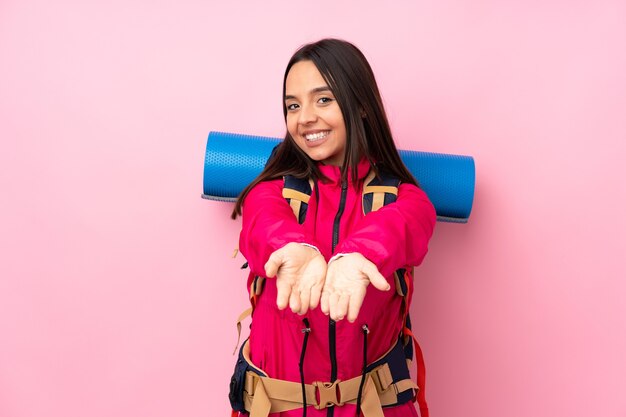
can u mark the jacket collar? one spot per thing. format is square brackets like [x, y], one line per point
[333, 173]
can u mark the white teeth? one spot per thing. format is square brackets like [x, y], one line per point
[316, 136]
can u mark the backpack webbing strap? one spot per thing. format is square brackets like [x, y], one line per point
[409, 337]
[247, 312]
[263, 395]
[402, 288]
[297, 192]
[378, 192]
[421, 374]
[270, 395]
[256, 288]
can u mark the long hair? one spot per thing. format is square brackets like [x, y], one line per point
[351, 79]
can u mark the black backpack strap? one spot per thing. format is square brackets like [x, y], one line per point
[379, 191]
[297, 192]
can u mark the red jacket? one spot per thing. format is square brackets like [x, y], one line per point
[394, 236]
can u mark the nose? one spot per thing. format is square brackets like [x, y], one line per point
[307, 115]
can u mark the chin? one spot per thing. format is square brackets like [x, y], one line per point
[317, 157]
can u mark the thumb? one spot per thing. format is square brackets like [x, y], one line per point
[375, 277]
[273, 264]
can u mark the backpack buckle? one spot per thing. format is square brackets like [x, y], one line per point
[328, 394]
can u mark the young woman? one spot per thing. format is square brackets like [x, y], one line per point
[318, 322]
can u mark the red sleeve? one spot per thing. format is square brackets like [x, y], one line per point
[268, 224]
[397, 234]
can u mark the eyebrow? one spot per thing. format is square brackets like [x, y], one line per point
[315, 90]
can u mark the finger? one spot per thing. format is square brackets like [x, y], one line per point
[316, 293]
[375, 277]
[325, 301]
[273, 263]
[305, 296]
[342, 306]
[294, 300]
[333, 300]
[318, 283]
[356, 301]
[283, 293]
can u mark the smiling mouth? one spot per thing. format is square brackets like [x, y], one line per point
[316, 136]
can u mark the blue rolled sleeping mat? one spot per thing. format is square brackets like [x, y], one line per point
[232, 161]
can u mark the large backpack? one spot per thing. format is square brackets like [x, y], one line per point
[377, 192]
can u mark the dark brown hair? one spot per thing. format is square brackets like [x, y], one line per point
[351, 79]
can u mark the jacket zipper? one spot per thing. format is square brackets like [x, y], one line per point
[332, 330]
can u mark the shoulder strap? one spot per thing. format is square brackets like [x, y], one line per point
[379, 191]
[297, 192]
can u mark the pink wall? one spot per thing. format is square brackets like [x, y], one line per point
[117, 291]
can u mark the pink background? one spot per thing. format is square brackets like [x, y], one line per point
[118, 293]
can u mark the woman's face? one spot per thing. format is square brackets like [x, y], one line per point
[314, 119]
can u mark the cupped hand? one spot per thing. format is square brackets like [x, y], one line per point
[347, 279]
[300, 271]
